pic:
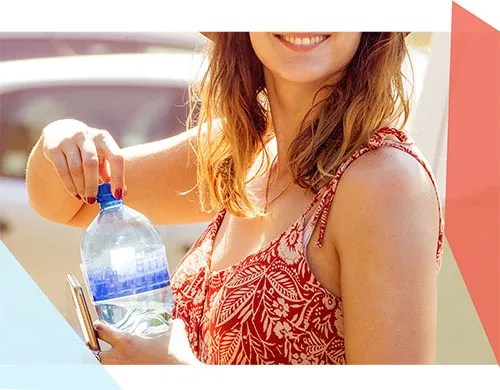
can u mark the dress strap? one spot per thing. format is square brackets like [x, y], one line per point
[378, 137]
[321, 213]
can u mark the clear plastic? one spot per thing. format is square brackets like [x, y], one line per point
[125, 268]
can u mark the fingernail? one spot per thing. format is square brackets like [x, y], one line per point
[98, 327]
[90, 200]
[118, 193]
[77, 196]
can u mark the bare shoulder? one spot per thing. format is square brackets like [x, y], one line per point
[386, 169]
[384, 190]
[387, 173]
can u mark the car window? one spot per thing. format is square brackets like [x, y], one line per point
[132, 114]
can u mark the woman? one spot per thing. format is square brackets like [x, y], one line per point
[297, 266]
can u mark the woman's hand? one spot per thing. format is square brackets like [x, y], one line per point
[66, 162]
[170, 348]
[81, 155]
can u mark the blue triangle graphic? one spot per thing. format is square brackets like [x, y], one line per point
[38, 348]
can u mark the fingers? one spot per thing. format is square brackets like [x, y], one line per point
[119, 342]
[61, 166]
[104, 171]
[90, 164]
[109, 357]
[107, 333]
[74, 163]
[105, 357]
[81, 155]
[106, 145]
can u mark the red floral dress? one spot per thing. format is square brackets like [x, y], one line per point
[269, 308]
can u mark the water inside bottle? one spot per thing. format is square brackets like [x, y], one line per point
[146, 313]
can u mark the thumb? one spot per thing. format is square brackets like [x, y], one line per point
[107, 333]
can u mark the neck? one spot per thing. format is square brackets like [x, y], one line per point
[289, 103]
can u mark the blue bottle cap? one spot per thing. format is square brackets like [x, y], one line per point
[105, 197]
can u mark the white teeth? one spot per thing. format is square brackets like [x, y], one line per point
[304, 41]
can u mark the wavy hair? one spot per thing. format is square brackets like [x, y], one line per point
[230, 108]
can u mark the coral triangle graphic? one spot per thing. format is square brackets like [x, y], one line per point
[473, 170]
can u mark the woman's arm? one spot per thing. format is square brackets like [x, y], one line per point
[385, 228]
[154, 175]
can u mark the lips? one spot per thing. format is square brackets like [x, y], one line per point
[301, 41]
[305, 41]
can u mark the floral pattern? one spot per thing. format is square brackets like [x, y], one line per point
[269, 308]
[280, 307]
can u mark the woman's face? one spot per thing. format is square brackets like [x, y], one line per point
[305, 57]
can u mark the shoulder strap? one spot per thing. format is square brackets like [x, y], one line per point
[323, 209]
[376, 140]
[329, 187]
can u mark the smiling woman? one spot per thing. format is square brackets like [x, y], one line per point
[326, 229]
[264, 283]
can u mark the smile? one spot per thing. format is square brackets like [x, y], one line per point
[301, 42]
[307, 41]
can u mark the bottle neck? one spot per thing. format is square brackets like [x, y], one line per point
[110, 204]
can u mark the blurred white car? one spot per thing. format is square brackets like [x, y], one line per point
[137, 97]
[35, 44]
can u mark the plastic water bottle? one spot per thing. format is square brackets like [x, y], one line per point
[124, 263]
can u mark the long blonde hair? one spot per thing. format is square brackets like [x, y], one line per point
[229, 107]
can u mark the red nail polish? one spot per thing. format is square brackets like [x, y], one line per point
[90, 200]
[77, 196]
[118, 193]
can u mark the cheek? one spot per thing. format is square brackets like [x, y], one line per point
[333, 58]
[263, 48]
[346, 47]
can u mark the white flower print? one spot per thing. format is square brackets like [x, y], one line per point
[288, 247]
[303, 358]
[281, 307]
[293, 238]
[282, 329]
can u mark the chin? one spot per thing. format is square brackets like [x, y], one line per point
[305, 58]
[305, 75]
